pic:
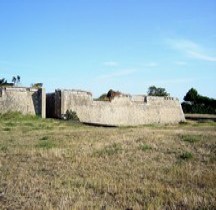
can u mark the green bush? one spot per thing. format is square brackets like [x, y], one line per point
[186, 155]
[71, 115]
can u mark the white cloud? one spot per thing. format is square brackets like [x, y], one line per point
[183, 44]
[191, 49]
[110, 63]
[202, 56]
[121, 73]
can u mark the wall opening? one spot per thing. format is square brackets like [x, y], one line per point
[50, 107]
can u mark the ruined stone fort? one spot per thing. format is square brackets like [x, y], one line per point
[122, 110]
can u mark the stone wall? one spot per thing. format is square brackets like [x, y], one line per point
[122, 110]
[24, 100]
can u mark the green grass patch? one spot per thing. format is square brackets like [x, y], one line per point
[3, 148]
[204, 123]
[186, 156]
[44, 138]
[109, 150]
[29, 124]
[191, 138]
[6, 129]
[145, 147]
[44, 126]
[10, 124]
[17, 116]
[10, 115]
[45, 144]
[184, 123]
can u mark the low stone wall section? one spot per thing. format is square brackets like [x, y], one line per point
[122, 110]
[25, 100]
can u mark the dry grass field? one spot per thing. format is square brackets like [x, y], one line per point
[52, 164]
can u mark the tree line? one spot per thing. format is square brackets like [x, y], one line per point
[196, 103]
[193, 103]
[14, 81]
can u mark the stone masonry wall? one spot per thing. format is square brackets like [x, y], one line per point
[24, 100]
[123, 110]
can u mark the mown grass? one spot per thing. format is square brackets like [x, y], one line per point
[52, 164]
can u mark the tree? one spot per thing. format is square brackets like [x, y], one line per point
[3, 81]
[195, 103]
[109, 95]
[37, 85]
[154, 91]
[191, 96]
[112, 94]
[16, 80]
[103, 97]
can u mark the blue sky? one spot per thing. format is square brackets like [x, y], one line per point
[96, 45]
